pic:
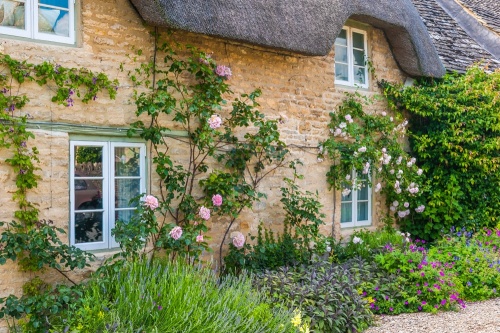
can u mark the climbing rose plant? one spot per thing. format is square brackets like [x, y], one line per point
[366, 150]
[188, 90]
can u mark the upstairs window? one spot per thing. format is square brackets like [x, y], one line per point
[104, 177]
[356, 205]
[47, 20]
[350, 58]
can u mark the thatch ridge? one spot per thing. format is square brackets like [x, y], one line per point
[303, 26]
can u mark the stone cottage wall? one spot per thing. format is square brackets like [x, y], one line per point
[297, 89]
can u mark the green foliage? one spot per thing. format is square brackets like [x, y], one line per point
[189, 88]
[296, 244]
[35, 244]
[40, 247]
[39, 311]
[367, 244]
[420, 283]
[365, 149]
[326, 293]
[173, 297]
[455, 134]
[475, 259]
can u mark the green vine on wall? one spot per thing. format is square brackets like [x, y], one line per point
[34, 243]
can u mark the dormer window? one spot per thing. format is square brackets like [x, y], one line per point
[350, 58]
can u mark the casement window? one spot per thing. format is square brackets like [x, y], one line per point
[104, 177]
[350, 58]
[356, 206]
[47, 20]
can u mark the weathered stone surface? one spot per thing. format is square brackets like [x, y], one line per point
[297, 89]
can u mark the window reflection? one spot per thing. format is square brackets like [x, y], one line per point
[12, 14]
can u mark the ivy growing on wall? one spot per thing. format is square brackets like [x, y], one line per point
[455, 135]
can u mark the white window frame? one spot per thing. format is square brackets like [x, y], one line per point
[108, 189]
[354, 208]
[350, 58]
[31, 24]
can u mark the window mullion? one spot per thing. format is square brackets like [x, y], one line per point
[350, 52]
[112, 192]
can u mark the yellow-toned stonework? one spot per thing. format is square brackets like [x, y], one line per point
[299, 90]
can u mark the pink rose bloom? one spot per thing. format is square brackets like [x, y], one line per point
[176, 233]
[215, 121]
[217, 200]
[151, 202]
[223, 71]
[238, 240]
[204, 213]
[199, 238]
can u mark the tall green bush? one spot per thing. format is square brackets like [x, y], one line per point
[455, 135]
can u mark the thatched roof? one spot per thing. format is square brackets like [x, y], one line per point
[303, 26]
[464, 32]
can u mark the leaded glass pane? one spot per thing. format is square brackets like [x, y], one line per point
[358, 40]
[341, 54]
[363, 192]
[362, 211]
[56, 3]
[359, 57]
[341, 72]
[88, 161]
[12, 14]
[359, 74]
[88, 227]
[88, 194]
[125, 191]
[346, 212]
[127, 161]
[342, 38]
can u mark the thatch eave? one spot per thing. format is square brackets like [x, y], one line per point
[303, 26]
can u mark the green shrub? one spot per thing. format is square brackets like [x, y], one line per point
[366, 244]
[454, 133]
[420, 284]
[326, 293]
[474, 258]
[157, 297]
[298, 242]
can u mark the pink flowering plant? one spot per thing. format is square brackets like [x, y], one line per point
[365, 150]
[188, 90]
[475, 257]
[462, 266]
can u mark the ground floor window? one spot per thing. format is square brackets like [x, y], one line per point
[104, 177]
[356, 204]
